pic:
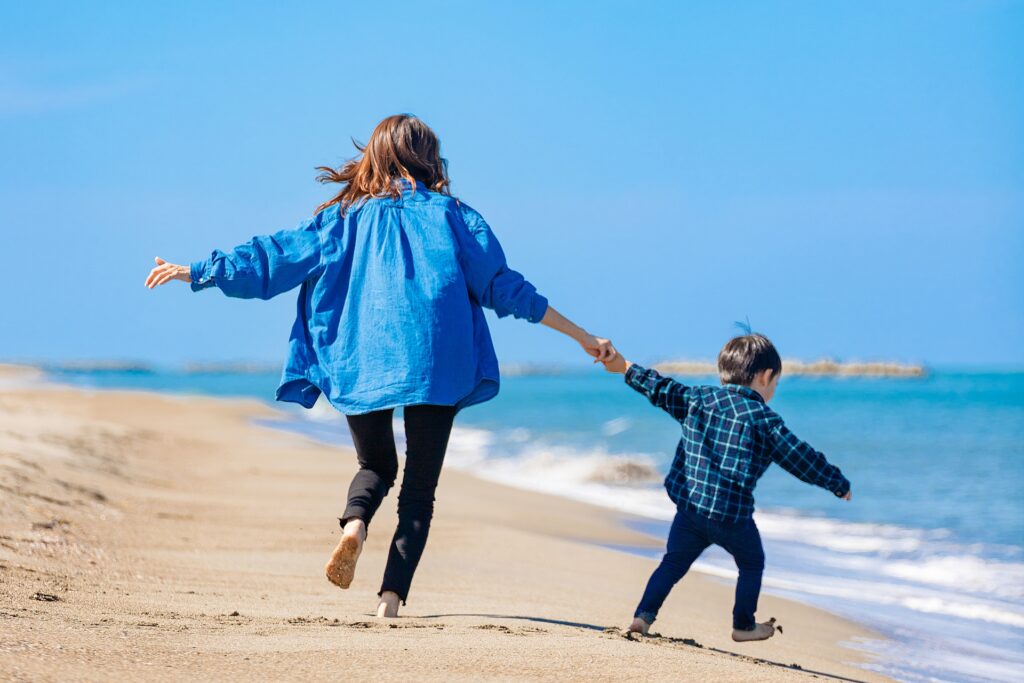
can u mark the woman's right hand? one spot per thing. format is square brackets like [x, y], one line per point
[601, 349]
[165, 272]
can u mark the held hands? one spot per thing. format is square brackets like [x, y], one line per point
[164, 272]
[601, 349]
[848, 496]
[617, 364]
[598, 348]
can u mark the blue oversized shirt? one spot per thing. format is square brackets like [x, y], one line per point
[390, 301]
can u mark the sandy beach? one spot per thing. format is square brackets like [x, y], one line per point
[150, 537]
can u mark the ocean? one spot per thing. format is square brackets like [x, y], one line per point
[930, 552]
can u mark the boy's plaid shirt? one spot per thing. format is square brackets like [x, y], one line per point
[730, 437]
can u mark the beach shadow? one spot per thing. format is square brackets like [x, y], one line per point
[539, 620]
[657, 639]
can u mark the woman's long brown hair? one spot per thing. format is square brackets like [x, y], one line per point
[401, 146]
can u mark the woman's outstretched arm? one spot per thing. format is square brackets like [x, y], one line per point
[601, 349]
[261, 268]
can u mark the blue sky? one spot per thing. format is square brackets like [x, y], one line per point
[847, 175]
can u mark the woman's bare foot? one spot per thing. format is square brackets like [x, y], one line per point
[388, 607]
[341, 568]
[639, 626]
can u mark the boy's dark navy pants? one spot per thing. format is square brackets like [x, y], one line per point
[691, 533]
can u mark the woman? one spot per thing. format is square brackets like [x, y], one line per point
[393, 272]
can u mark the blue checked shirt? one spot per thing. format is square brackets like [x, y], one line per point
[730, 437]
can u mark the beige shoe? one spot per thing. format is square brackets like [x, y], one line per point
[759, 632]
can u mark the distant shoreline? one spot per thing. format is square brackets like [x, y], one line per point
[144, 368]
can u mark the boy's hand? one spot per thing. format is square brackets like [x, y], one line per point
[848, 496]
[617, 364]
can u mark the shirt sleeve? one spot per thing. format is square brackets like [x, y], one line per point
[671, 396]
[265, 266]
[489, 279]
[803, 462]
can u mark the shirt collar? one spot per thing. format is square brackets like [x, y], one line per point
[406, 186]
[744, 391]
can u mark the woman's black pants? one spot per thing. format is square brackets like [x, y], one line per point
[427, 429]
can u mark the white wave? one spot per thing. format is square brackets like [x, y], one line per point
[616, 426]
[966, 610]
[518, 435]
[470, 448]
[940, 659]
[1005, 579]
[874, 590]
[843, 537]
[323, 411]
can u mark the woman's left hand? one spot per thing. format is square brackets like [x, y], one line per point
[601, 349]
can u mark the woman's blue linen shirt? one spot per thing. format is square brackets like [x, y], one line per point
[389, 307]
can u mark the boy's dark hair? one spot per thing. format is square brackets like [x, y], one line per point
[743, 357]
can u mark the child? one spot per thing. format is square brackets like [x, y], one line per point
[730, 437]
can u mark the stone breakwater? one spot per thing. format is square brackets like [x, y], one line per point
[824, 368]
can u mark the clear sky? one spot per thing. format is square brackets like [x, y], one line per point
[847, 175]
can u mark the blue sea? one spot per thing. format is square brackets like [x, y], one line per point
[930, 552]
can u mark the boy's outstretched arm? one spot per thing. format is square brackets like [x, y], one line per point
[664, 392]
[803, 462]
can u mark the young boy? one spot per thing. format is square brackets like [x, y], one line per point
[730, 437]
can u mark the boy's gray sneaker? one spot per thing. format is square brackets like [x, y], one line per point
[759, 632]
